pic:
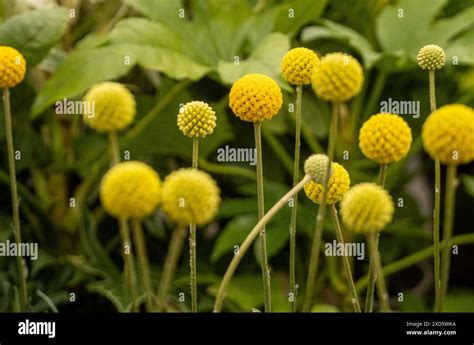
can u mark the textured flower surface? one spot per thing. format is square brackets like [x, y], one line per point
[367, 207]
[255, 97]
[448, 134]
[431, 57]
[337, 78]
[298, 65]
[114, 107]
[12, 67]
[317, 166]
[385, 138]
[196, 119]
[190, 195]
[130, 190]
[338, 186]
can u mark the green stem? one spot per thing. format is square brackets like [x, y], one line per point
[296, 173]
[261, 213]
[382, 174]
[345, 260]
[114, 148]
[415, 258]
[244, 247]
[129, 262]
[333, 131]
[372, 240]
[195, 153]
[140, 246]
[171, 262]
[14, 195]
[192, 264]
[449, 203]
[437, 203]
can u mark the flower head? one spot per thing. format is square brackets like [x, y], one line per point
[196, 119]
[190, 196]
[448, 134]
[114, 107]
[130, 190]
[431, 57]
[337, 78]
[12, 67]
[317, 166]
[385, 138]
[367, 207]
[339, 183]
[298, 65]
[255, 97]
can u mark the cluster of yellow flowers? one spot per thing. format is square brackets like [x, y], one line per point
[12, 67]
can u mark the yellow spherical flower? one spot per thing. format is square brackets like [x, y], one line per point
[255, 97]
[385, 138]
[431, 57]
[113, 107]
[448, 134]
[367, 207]
[190, 196]
[12, 67]
[130, 190]
[298, 65]
[338, 186]
[337, 78]
[196, 119]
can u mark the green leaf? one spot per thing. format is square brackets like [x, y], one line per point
[33, 33]
[81, 70]
[460, 301]
[293, 15]
[265, 59]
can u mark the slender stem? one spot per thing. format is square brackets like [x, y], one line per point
[382, 174]
[296, 173]
[244, 247]
[129, 262]
[415, 258]
[437, 203]
[192, 264]
[171, 262]
[333, 131]
[114, 148]
[372, 240]
[449, 203]
[140, 246]
[261, 212]
[195, 152]
[345, 260]
[14, 195]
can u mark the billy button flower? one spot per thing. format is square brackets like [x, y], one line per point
[367, 208]
[12, 72]
[190, 196]
[132, 190]
[337, 187]
[448, 138]
[297, 67]
[432, 57]
[254, 98]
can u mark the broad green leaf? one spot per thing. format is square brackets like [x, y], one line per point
[265, 59]
[81, 70]
[293, 15]
[33, 33]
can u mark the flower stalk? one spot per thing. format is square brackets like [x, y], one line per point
[139, 240]
[192, 239]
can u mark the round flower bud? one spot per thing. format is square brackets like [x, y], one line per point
[12, 67]
[448, 134]
[190, 196]
[431, 57]
[317, 166]
[113, 107]
[385, 138]
[337, 78]
[130, 190]
[196, 119]
[298, 65]
[339, 183]
[255, 97]
[366, 208]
